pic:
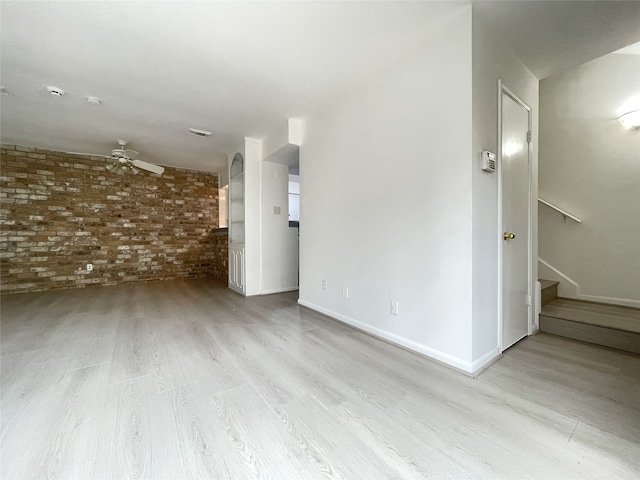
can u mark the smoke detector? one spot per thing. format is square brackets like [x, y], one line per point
[55, 91]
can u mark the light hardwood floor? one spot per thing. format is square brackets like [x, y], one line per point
[186, 379]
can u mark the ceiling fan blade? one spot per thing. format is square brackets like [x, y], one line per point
[131, 153]
[148, 166]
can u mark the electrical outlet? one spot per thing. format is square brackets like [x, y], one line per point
[345, 291]
[89, 267]
[395, 307]
[324, 284]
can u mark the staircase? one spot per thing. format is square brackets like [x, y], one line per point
[608, 325]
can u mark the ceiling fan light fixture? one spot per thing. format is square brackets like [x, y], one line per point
[123, 161]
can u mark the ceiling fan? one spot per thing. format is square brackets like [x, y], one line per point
[124, 161]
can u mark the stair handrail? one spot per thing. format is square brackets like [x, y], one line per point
[562, 212]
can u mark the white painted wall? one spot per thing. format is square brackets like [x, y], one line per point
[253, 216]
[493, 60]
[275, 140]
[400, 232]
[296, 131]
[271, 246]
[279, 241]
[590, 166]
[223, 176]
[289, 133]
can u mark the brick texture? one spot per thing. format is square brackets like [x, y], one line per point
[60, 211]
[220, 243]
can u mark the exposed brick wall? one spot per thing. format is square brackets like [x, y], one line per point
[220, 241]
[59, 212]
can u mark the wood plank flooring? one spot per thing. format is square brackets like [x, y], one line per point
[187, 380]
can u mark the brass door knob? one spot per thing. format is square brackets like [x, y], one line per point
[508, 236]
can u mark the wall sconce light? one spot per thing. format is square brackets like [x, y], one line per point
[631, 119]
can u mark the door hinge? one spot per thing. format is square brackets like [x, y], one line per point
[529, 136]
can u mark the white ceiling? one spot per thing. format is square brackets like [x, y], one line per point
[238, 68]
[235, 68]
[552, 36]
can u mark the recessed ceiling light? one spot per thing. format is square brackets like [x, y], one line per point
[58, 92]
[94, 100]
[200, 133]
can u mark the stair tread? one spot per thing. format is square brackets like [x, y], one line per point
[609, 316]
[547, 283]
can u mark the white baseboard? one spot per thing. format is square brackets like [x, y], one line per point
[457, 363]
[623, 302]
[279, 290]
[484, 361]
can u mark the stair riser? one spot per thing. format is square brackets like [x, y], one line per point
[621, 340]
[549, 294]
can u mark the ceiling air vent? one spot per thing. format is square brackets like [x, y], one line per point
[200, 133]
[55, 91]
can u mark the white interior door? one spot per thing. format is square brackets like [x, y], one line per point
[515, 219]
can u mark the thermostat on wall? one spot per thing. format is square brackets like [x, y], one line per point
[488, 161]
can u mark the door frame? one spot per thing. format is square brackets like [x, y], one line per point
[502, 88]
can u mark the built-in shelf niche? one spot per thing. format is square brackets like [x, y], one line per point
[236, 200]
